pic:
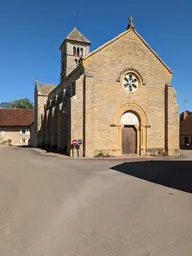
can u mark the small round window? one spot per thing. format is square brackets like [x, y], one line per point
[130, 82]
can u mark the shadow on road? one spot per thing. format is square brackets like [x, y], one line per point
[173, 174]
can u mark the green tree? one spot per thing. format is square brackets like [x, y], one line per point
[24, 103]
[5, 105]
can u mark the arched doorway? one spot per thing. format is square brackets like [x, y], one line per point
[130, 132]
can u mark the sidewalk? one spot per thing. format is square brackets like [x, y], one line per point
[59, 155]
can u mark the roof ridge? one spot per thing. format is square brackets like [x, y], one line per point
[78, 33]
[48, 84]
[148, 46]
[121, 35]
[106, 44]
[16, 109]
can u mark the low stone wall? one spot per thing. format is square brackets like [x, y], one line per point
[5, 143]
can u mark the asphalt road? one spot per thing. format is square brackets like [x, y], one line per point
[64, 207]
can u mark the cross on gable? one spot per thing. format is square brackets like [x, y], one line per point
[131, 25]
[131, 20]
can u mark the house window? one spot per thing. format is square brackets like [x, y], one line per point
[68, 92]
[3, 133]
[22, 131]
[81, 52]
[73, 89]
[25, 131]
[78, 51]
[74, 51]
[22, 141]
[186, 140]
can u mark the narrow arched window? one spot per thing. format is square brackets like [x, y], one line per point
[74, 50]
[81, 52]
[78, 51]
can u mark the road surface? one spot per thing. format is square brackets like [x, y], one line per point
[65, 207]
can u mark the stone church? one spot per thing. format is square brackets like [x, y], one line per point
[117, 99]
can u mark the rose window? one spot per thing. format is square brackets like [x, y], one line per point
[130, 82]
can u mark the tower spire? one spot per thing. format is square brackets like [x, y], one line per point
[75, 19]
[37, 83]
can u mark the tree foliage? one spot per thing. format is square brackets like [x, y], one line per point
[24, 103]
[5, 105]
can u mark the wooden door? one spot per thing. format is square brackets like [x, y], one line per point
[129, 140]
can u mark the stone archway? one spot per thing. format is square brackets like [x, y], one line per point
[130, 133]
[139, 122]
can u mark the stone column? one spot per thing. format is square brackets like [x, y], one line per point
[143, 140]
[44, 129]
[59, 127]
[52, 127]
[172, 122]
[88, 124]
[48, 129]
[138, 139]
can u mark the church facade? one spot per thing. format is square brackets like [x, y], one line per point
[117, 100]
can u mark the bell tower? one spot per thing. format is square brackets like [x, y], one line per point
[72, 49]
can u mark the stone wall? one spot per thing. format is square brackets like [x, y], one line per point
[106, 93]
[172, 124]
[69, 62]
[39, 108]
[63, 114]
[94, 111]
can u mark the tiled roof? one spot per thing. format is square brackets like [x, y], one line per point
[16, 117]
[45, 89]
[75, 35]
[186, 125]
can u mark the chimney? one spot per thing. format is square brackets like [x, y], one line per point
[184, 115]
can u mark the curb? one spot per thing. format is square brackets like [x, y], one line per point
[120, 158]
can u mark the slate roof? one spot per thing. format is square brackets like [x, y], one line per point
[45, 89]
[16, 117]
[186, 126]
[75, 35]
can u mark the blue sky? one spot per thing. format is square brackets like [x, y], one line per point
[32, 31]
